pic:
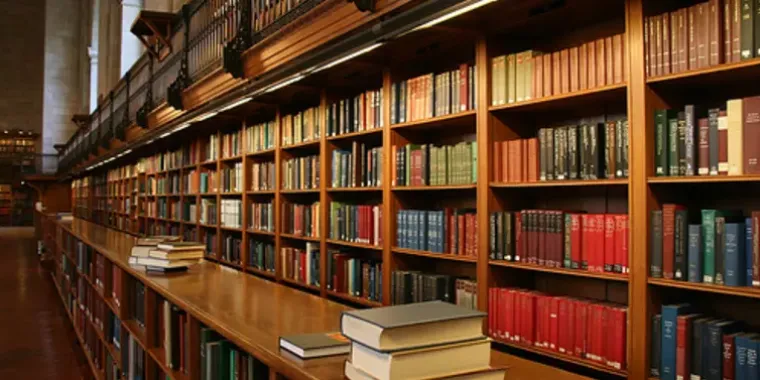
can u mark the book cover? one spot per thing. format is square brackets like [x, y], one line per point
[751, 129]
[695, 253]
[656, 258]
[734, 251]
[670, 315]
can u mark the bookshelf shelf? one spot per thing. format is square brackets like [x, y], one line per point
[160, 358]
[229, 263]
[298, 237]
[259, 192]
[354, 245]
[704, 179]
[351, 135]
[564, 271]
[305, 191]
[433, 255]
[137, 331]
[738, 291]
[232, 158]
[300, 284]
[712, 75]
[208, 163]
[435, 188]
[564, 357]
[262, 153]
[232, 229]
[260, 272]
[231, 194]
[353, 189]
[208, 194]
[302, 145]
[466, 117]
[563, 101]
[260, 232]
[207, 225]
[111, 305]
[354, 299]
[568, 183]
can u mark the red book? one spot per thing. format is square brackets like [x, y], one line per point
[461, 233]
[609, 242]
[751, 127]
[506, 174]
[576, 247]
[668, 238]
[533, 160]
[510, 313]
[524, 159]
[621, 243]
[599, 334]
[519, 237]
[554, 323]
[581, 318]
[562, 325]
[539, 327]
[527, 319]
[599, 236]
[728, 356]
[683, 345]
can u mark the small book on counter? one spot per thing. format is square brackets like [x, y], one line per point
[307, 346]
[398, 327]
[180, 246]
[353, 373]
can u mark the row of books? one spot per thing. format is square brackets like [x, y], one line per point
[701, 142]
[582, 328]
[162, 161]
[356, 114]
[231, 178]
[191, 153]
[208, 182]
[430, 165]
[231, 246]
[208, 211]
[354, 275]
[262, 176]
[261, 255]
[232, 144]
[451, 231]
[221, 359]
[301, 219]
[688, 344]
[210, 149]
[301, 265]
[260, 137]
[209, 240]
[302, 127]
[232, 213]
[559, 239]
[262, 216]
[172, 332]
[300, 173]
[189, 212]
[359, 167]
[356, 223]
[720, 250]
[432, 95]
[532, 74]
[412, 287]
[699, 36]
[132, 359]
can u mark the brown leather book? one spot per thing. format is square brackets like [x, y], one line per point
[692, 25]
[683, 40]
[524, 159]
[591, 64]
[617, 58]
[547, 77]
[674, 57]
[497, 161]
[658, 48]
[533, 160]
[727, 30]
[652, 46]
[564, 61]
[538, 76]
[556, 76]
[715, 33]
[574, 79]
[601, 76]
[506, 172]
[736, 30]
[647, 50]
[704, 147]
[751, 127]
[583, 67]
[609, 62]
[666, 48]
[703, 35]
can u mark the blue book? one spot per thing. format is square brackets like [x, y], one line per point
[742, 343]
[400, 229]
[748, 236]
[669, 325]
[695, 253]
[734, 255]
[752, 365]
[714, 358]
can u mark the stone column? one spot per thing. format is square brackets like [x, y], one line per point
[131, 47]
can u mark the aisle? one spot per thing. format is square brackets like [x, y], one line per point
[36, 339]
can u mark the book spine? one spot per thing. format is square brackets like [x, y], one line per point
[734, 254]
[747, 26]
[704, 147]
[695, 253]
[720, 250]
[708, 238]
[681, 245]
[656, 258]
[655, 345]
[668, 241]
[691, 131]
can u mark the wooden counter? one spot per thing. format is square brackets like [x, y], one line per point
[253, 313]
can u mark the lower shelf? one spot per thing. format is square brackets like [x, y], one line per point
[564, 357]
[300, 284]
[354, 299]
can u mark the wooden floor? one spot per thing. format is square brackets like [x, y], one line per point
[36, 338]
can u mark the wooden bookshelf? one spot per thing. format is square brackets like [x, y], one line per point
[635, 97]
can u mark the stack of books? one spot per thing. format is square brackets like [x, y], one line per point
[166, 256]
[418, 341]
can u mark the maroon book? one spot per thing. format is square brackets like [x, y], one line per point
[729, 348]
[751, 128]
[736, 30]
[703, 35]
[726, 31]
[668, 238]
[666, 42]
[692, 36]
[715, 32]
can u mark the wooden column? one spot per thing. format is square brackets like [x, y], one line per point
[483, 90]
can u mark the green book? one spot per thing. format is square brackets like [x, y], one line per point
[233, 367]
[709, 240]
[661, 143]
[474, 162]
[225, 352]
[673, 151]
[207, 335]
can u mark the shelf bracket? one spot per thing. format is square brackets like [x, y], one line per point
[154, 30]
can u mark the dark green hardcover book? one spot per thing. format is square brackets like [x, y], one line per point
[596, 151]
[655, 260]
[585, 148]
[508, 237]
[568, 241]
[747, 29]
[572, 152]
[619, 149]
[655, 352]
[543, 161]
[493, 234]
[661, 146]
[690, 140]
[551, 155]
[673, 146]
